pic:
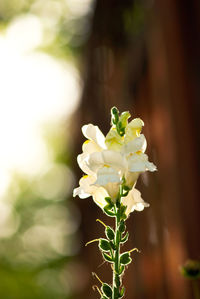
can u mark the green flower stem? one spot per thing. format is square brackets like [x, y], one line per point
[116, 276]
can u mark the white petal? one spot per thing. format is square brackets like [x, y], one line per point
[133, 129]
[106, 158]
[107, 175]
[99, 197]
[82, 162]
[113, 140]
[150, 166]
[138, 162]
[109, 178]
[80, 192]
[133, 146]
[95, 161]
[93, 133]
[131, 178]
[89, 147]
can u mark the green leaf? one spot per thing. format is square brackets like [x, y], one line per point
[107, 257]
[125, 258]
[107, 290]
[125, 238]
[104, 244]
[122, 226]
[122, 292]
[121, 270]
[109, 233]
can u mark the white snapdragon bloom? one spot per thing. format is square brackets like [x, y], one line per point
[108, 160]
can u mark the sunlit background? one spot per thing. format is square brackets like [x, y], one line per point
[65, 63]
[40, 90]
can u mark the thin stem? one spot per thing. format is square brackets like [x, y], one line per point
[116, 276]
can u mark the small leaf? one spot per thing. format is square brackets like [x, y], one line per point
[125, 238]
[125, 258]
[107, 290]
[122, 226]
[104, 244]
[122, 291]
[110, 233]
[107, 257]
[121, 270]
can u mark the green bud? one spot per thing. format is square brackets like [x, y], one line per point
[114, 116]
[110, 233]
[125, 238]
[125, 258]
[107, 257]
[191, 269]
[122, 226]
[114, 110]
[107, 290]
[104, 244]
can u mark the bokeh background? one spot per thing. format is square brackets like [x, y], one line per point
[65, 63]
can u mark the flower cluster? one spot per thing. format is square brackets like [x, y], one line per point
[113, 161]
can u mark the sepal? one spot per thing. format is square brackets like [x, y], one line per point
[108, 212]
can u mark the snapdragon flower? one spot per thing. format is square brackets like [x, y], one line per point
[108, 161]
[111, 166]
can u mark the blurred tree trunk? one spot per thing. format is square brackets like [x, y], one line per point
[144, 57]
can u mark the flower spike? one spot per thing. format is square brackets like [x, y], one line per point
[112, 165]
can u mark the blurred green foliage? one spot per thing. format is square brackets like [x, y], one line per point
[38, 239]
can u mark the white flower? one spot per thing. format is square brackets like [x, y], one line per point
[134, 201]
[107, 160]
[87, 189]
